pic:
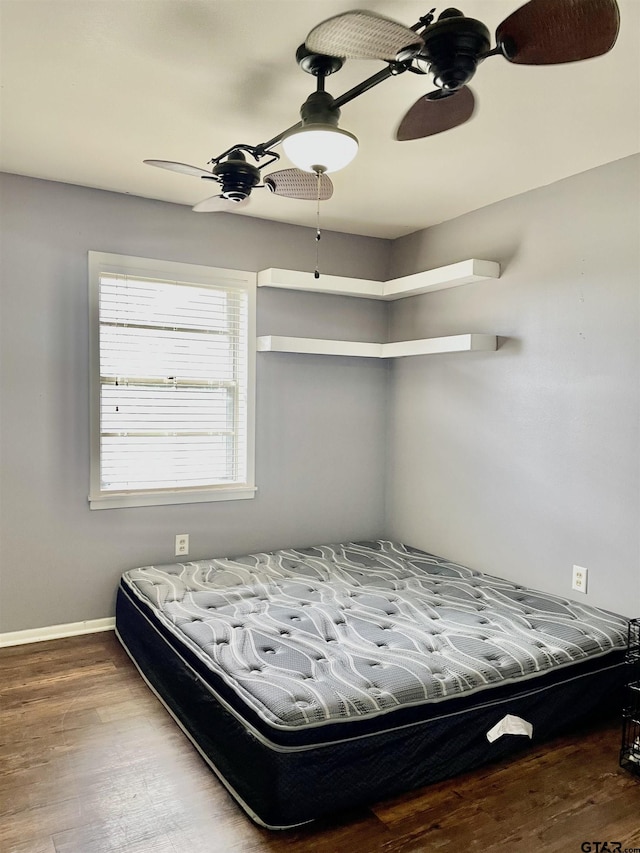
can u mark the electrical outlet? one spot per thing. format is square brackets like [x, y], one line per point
[182, 544]
[579, 579]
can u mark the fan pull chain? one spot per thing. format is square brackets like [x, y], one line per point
[316, 273]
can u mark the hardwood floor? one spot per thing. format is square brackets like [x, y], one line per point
[90, 762]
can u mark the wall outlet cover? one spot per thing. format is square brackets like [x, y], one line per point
[182, 544]
[579, 579]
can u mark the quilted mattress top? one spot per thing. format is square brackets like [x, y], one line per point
[315, 636]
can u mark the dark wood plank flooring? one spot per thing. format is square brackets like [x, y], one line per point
[90, 762]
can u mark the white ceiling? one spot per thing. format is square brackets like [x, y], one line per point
[90, 88]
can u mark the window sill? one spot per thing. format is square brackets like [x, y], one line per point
[119, 500]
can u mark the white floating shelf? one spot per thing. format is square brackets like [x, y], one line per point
[292, 280]
[450, 343]
[317, 346]
[453, 275]
[398, 349]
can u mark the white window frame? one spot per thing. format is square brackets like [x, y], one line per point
[102, 262]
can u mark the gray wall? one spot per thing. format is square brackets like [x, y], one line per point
[526, 461]
[320, 421]
[520, 462]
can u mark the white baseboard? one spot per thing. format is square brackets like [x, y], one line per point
[56, 632]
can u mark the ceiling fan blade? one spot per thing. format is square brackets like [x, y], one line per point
[362, 35]
[549, 32]
[184, 168]
[431, 115]
[294, 183]
[219, 204]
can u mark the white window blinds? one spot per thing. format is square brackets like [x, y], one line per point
[174, 372]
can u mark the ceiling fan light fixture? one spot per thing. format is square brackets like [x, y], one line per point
[320, 147]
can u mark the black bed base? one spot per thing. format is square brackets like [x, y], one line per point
[281, 787]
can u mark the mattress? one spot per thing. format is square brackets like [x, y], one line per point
[316, 679]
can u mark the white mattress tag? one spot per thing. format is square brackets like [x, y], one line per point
[510, 725]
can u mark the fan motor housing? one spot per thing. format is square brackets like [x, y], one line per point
[237, 176]
[452, 47]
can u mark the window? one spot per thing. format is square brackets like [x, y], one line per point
[172, 382]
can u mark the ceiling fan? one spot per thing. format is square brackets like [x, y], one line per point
[237, 178]
[449, 48]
